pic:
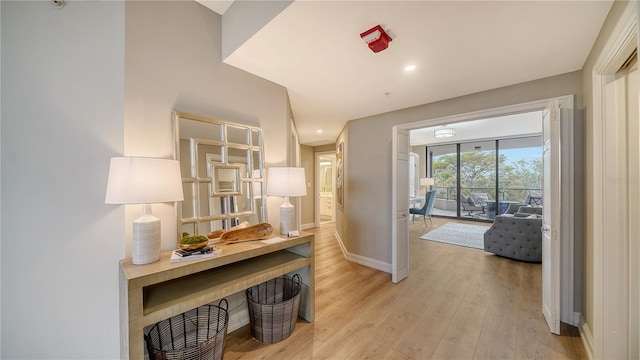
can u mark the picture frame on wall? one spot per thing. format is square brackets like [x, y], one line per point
[340, 174]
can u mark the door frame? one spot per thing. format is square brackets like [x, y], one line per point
[567, 274]
[616, 50]
[317, 184]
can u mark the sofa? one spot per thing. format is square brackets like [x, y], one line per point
[516, 236]
[521, 210]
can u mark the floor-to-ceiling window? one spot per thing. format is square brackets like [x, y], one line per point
[442, 160]
[477, 178]
[520, 169]
[481, 179]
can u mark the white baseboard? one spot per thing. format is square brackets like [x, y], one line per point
[362, 260]
[586, 336]
[344, 250]
[307, 226]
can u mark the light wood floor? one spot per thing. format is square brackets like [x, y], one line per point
[457, 303]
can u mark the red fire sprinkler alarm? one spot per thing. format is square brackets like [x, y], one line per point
[376, 38]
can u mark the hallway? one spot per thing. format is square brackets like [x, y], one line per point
[457, 303]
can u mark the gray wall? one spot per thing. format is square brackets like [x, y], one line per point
[244, 18]
[365, 222]
[62, 119]
[73, 98]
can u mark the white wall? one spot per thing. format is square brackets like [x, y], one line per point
[164, 72]
[73, 98]
[62, 118]
[244, 18]
[0, 185]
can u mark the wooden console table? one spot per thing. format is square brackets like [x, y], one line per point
[157, 291]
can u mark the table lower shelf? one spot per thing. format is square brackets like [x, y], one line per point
[173, 297]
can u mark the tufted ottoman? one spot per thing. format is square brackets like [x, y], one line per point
[518, 238]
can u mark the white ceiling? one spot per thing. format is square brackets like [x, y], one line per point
[313, 48]
[529, 123]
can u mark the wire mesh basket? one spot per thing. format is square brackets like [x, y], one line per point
[199, 333]
[273, 308]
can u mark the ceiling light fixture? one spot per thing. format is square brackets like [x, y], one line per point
[409, 68]
[444, 132]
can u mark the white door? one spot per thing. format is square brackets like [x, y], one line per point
[400, 205]
[551, 216]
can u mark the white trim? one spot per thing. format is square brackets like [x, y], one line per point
[294, 155]
[316, 209]
[483, 114]
[614, 53]
[597, 225]
[586, 337]
[567, 215]
[576, 318]
[358, 259]
[620, 45]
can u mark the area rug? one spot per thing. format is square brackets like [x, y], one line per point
[458, 234]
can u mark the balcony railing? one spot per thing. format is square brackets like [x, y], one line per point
[506, 194]
[446, 203]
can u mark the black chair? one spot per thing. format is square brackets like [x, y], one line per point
[429, 200]
[533, 200]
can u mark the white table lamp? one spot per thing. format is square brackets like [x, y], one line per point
[140, 180]
[286, 181]
[427, 182]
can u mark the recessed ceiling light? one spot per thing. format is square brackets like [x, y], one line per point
[409, 68]
[319, 131]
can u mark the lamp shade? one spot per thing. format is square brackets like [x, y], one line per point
[142, 180]
[286, 181]
[427, 181]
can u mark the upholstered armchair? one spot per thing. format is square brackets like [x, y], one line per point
[514, 237]
[425, 211]
[467, 204]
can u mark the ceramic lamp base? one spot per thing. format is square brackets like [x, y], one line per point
[287, 218]
[146, 238]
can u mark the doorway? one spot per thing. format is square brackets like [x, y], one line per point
[613, 325]
[616, 262]
[325, 187]
[400, 241]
